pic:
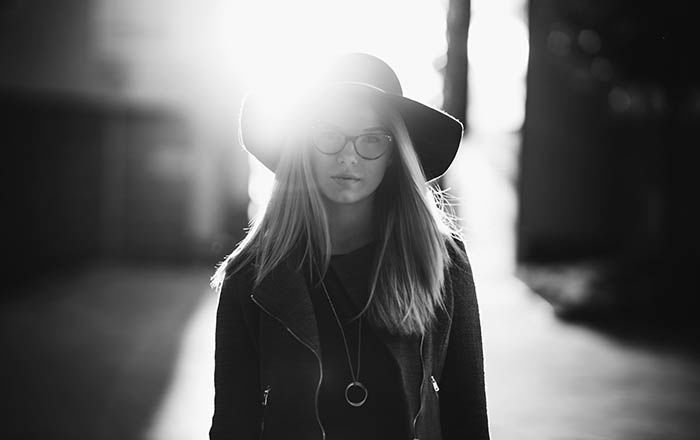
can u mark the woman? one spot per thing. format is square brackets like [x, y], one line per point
[349, 310]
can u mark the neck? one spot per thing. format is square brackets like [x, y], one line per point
[351, 224]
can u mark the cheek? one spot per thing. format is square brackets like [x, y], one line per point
[377, 172]
[319, 167]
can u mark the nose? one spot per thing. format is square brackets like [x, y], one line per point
[348, 153]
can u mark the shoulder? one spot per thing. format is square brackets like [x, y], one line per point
[459, 259]
[459, 278]
[235, 310]
[236, 282]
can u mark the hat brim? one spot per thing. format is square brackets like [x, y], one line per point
[436, 135]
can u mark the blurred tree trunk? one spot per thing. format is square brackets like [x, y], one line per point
[455, 99]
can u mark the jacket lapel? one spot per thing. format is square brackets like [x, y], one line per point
[284, 294]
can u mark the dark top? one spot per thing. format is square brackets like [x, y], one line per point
[381, 416]
[460, 412]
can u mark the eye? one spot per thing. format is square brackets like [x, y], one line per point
[373, 138]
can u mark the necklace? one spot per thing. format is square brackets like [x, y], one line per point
[355, 392]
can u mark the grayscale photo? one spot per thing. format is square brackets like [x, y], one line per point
[349, 220]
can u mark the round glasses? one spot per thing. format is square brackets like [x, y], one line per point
[370, 146]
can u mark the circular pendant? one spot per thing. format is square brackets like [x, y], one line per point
[356, 393]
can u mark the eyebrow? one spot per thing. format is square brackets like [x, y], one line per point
[376, 128]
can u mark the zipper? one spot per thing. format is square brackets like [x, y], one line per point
[320, 364]
[435, 386]
[266, 393]
[420, 408]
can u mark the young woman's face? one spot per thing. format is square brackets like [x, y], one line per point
[345, 176]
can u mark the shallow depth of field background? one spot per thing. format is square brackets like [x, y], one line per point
[125, 185]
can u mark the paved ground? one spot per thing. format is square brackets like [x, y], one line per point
[127, 353]
[91, 354]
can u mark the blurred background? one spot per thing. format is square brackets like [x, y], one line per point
[125, 185]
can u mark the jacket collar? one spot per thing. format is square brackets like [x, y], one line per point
[284, 294]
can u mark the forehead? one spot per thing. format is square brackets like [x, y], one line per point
[348, 113]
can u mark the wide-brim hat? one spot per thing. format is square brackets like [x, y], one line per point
[435, 135]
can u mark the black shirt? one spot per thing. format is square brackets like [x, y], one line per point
[382, 414]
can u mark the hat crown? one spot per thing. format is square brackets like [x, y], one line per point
[365, 69]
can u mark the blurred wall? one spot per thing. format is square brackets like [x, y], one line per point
[611, 94]
[88, 180]
[51, 46]
[101, 165]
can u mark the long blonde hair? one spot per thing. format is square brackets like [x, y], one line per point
[415, 222]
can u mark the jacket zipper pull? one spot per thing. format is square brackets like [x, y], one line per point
[266, 393]
[435, 385]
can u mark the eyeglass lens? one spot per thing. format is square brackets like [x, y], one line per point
[369, 145]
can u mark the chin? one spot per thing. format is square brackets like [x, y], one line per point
[345, 197]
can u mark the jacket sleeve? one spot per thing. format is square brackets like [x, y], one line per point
[237, 399]
[463, 413]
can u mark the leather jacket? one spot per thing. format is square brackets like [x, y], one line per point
[268, 367]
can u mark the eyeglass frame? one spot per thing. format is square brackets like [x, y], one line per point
[354, 145]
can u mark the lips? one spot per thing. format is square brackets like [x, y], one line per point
[345, 177]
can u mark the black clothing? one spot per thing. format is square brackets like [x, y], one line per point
[268, 366]
[381, 416]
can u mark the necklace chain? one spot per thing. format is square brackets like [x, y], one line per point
[342, 332]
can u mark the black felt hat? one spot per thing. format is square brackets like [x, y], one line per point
[435, 134]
